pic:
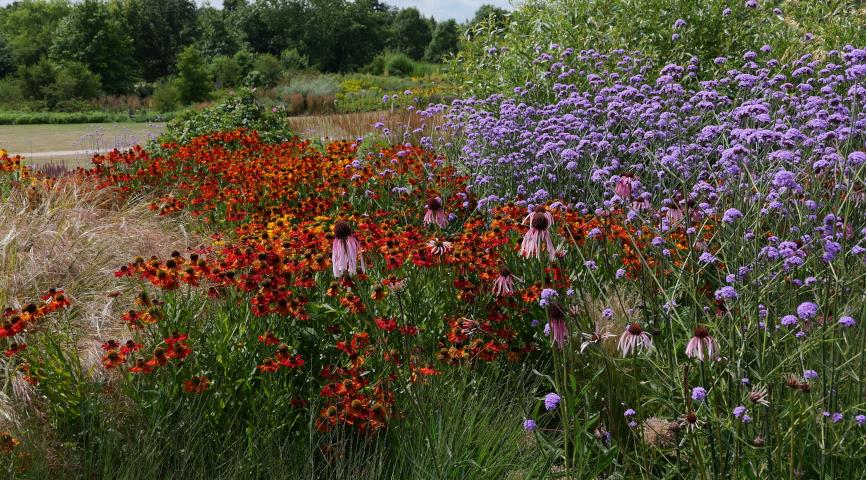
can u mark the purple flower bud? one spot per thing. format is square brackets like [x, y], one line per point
[807, 310]
[551, 401]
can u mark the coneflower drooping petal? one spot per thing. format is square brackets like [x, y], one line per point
[346, 251]
[435, 213]
[538, 237]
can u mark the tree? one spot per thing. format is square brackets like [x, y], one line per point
[72, 81]
[271, 26]
[226, 71]
[411, 33]
[35, 77]
[486, 12]
[94, 36]
[29, 27]
[269, 67]
[343, 36]
[292, 60]
[216, 35]
[193, 82]
[159, 30]
[56, 82]
[446, 40]
[7, 63]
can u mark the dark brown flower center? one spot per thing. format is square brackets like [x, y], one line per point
[702, 332]
[342, 230]
[555, 312]
[434, 204]
[539, 221]
[692, 418]
[504, 271]
[635, 329]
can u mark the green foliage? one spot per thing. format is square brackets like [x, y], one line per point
[216, 36]
[239, 110]
[245, 59]
[446, 41]
[11, 91]
[411, 33]
[36, 77]
[399, 65]
[127, 41]
[159, 30]
[7, 63]
[94, 35]
[55, 82]
[166, 97]
[30, 26]
[270, 68]
[489, 15]
[193, 82]
[226, 72]
[36, 118]
[485, 67]
[342, 36]
[293, 60]
[72, 80]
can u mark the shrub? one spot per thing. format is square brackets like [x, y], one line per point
[166, 96]
[376, 66]
[11, 91]
[292, 60]
[269, 67]
[226, 71]
[238, 110]
[72, 80]
[400, 65]
[245, 59]
[193, 82]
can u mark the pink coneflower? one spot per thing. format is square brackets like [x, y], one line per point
[346, 251]
[598, 336]
[701, 345]
[558, 328]
[435, 213]
[623, 187]
[641, 204]
[439, 247]
[674, 214]
[503, 286]
[760, 396]
[538, 236]
[634, 338]
[690, 421]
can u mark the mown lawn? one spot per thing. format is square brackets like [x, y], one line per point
[70, 143]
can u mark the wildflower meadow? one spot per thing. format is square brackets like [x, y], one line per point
[621, 267]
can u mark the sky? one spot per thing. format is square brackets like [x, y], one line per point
[459, 10]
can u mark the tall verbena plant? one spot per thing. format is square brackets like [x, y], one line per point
[723, 336]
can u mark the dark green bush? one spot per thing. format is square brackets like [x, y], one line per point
[293, 60]
[166, 97]
[226, 71]
[399, 65]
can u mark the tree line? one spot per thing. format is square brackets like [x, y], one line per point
[58, 50]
